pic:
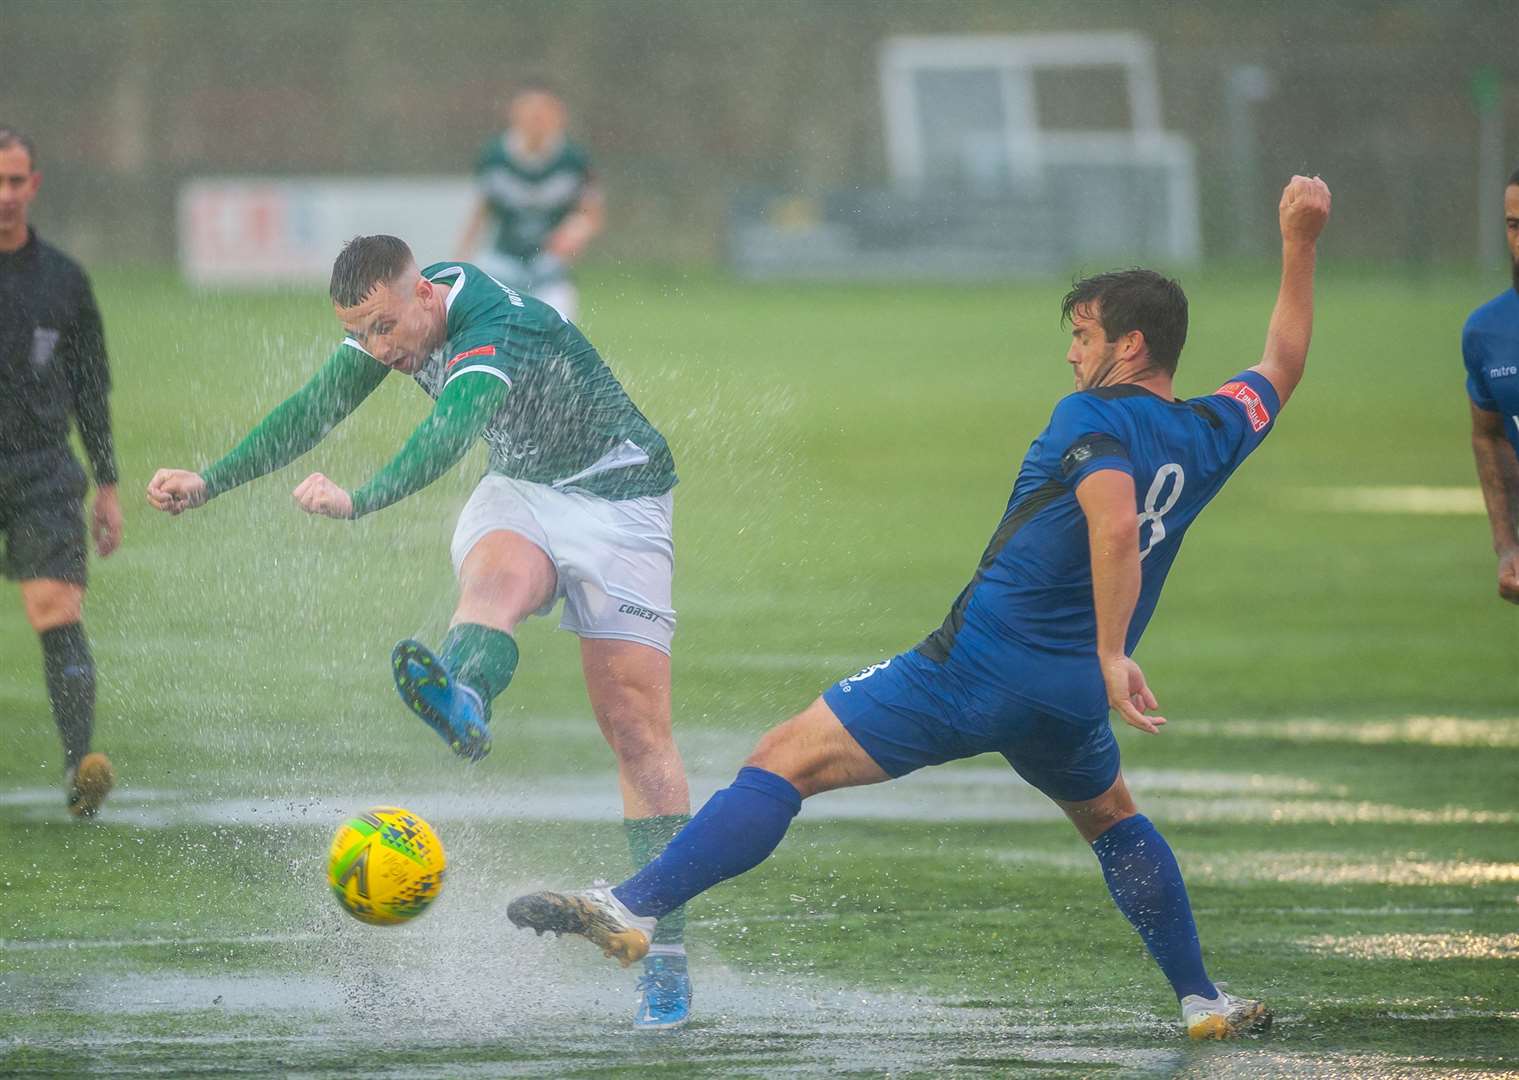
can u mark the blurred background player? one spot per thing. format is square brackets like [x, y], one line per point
[1037, 648]
[538, 202]
[1490, 348]
[53, 367]
[577, 504]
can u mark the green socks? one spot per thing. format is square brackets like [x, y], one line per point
[481, 658]
[647, 837]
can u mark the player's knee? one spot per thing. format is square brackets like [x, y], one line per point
[765, 750]
[53, 604]
[781, 751]
[1097, 817]
[507, 591]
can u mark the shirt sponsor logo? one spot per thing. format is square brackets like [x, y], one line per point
[640, 612]
[483, 350]
[1502, 371]
[1246, 394]
[862, 675]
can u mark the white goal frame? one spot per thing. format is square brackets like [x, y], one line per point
[1031, 150]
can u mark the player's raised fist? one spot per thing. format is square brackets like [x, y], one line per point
[318, 495]
[1304, 209]
[176, 490]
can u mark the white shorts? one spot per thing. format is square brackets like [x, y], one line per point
[614, 560]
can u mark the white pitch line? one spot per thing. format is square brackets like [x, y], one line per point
[71, 944]
[1407, 731]
[303, 937]
[1372, 499]
[1463, 945]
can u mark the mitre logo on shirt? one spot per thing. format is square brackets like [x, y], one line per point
[1502, 371]
[483, 350]
[1246, 394]
[1075, 457]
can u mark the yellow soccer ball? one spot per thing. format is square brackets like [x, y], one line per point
[385, 866]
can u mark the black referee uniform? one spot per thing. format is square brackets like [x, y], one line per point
[52, 369]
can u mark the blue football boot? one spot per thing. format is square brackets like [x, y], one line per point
[450, 708]
[664, 993]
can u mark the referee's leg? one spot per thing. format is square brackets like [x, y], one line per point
[55, 609]
[46, 554]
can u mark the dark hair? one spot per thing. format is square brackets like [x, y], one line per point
[9, 137]
[364, 264]
[1139, 300]
[1513, 177]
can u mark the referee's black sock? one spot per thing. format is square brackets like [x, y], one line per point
[71, 687]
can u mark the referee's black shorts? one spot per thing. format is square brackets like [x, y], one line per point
[42, 516]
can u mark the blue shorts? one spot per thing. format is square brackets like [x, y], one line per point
[907, 713]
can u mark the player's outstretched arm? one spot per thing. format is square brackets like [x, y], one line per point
[464, 410]
[1498, 472]
[1107, 500]
[293, 427]
[1302, 214]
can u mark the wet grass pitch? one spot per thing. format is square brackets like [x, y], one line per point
[1338, 779]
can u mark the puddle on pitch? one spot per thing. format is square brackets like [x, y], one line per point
[128, 995]
[544, 1012]
[945, 795]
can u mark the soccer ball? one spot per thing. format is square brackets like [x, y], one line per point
[385, 866]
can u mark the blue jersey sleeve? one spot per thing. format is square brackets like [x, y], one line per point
[1089, 436]
[1474, 356]
[1251, 402]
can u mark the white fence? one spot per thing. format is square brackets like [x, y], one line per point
[249, 231]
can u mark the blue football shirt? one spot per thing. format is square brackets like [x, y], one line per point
[1490, 347]
[1025, 629]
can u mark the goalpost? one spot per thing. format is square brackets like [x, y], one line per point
[981, 185]
[964, 111]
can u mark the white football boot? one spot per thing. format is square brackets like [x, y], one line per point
[1223, 1017]
[592, 913]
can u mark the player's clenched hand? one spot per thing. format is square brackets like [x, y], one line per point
[176, 490]
[318, 495]
[1304, 209]
[1129, 695]
[1508, 576]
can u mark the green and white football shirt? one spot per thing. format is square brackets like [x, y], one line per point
[528, 197]
[566, 422]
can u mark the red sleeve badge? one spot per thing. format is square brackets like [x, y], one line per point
[1250, 398]
[483, 350]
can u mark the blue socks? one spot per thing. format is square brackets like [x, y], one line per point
[1146, 885]
[742, 824]
[736, 831]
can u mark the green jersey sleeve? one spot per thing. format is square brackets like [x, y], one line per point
[465, 408]
[300, 421]
[500, 351]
